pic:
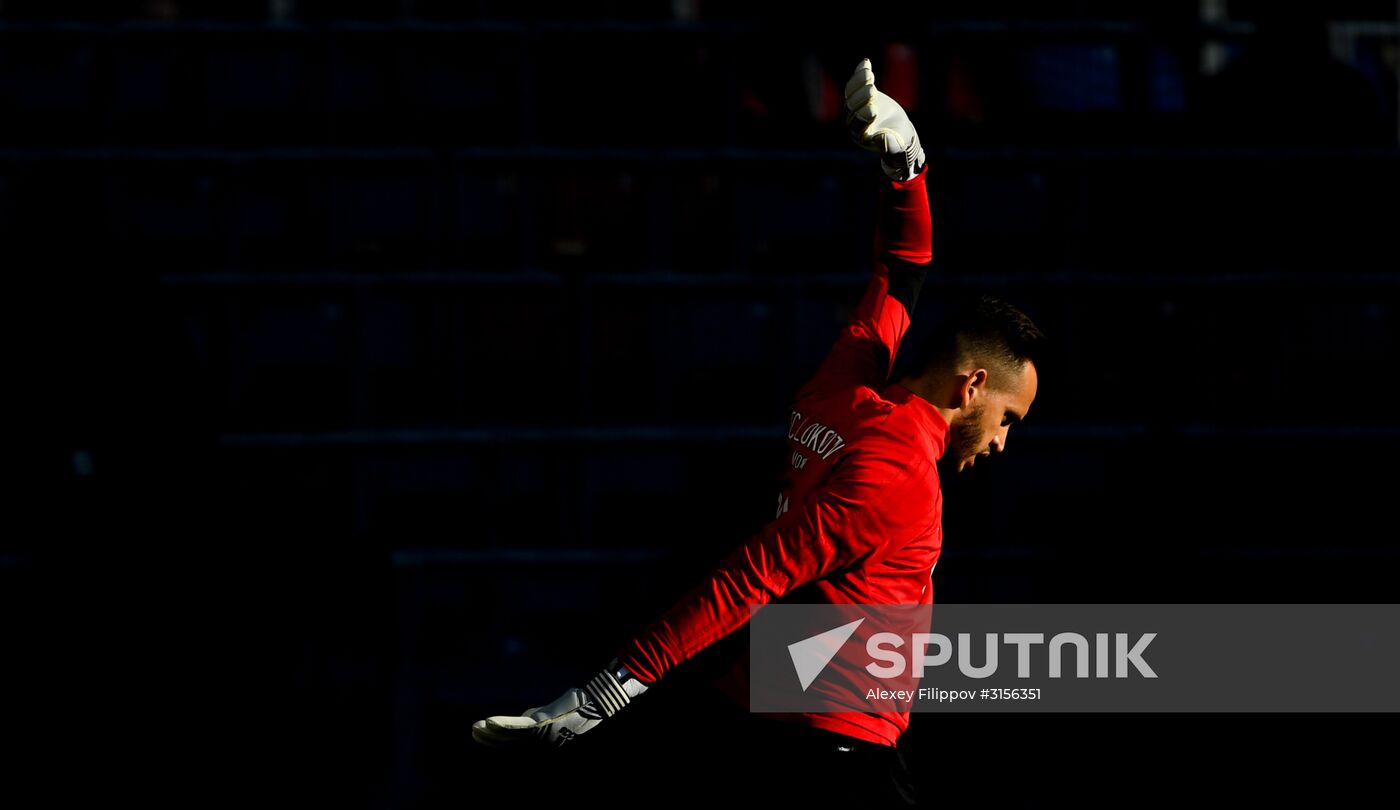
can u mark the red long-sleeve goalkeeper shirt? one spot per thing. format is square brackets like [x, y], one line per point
[859, 516]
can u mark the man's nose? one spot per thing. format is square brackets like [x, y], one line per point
[999, 441]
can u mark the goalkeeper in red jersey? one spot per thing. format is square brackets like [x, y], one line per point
[859, 514]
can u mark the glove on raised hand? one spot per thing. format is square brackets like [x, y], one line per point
[877, 123]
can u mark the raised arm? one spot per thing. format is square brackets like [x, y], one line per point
[865, 351]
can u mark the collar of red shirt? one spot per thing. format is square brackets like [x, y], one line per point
[929, 416]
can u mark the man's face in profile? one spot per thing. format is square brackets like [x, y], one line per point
[982, 429]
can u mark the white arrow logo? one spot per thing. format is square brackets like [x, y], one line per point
[811, 655]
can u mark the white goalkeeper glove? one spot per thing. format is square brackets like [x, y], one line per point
[877, 123]
[573, 713]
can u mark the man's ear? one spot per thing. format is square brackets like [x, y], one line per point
[973, 386]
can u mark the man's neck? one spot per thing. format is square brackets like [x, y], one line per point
[924, 390]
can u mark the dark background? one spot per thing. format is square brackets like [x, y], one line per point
[381, 365]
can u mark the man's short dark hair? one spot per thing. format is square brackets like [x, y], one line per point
[989, 333]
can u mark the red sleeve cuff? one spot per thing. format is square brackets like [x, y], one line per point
[916, 180]
[630, 658]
